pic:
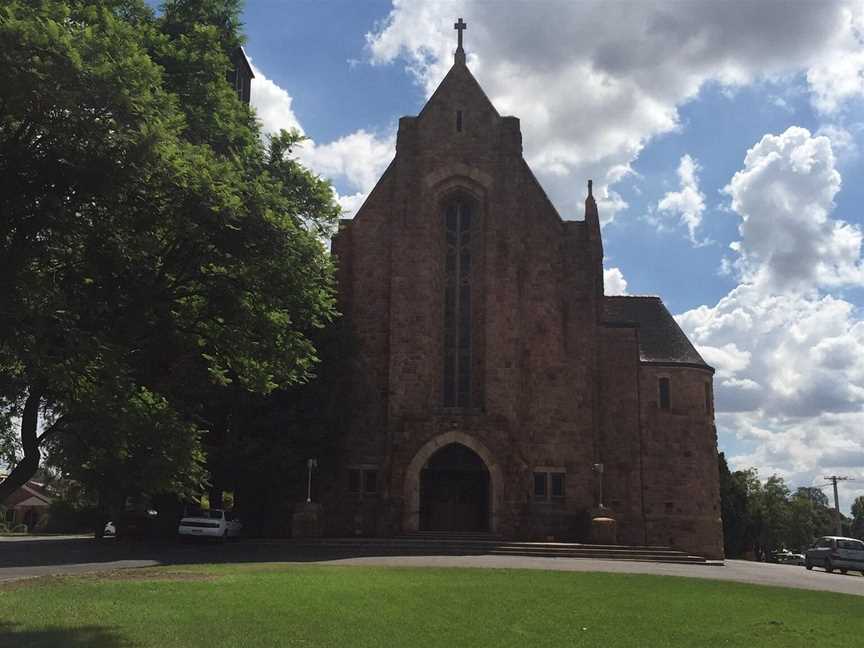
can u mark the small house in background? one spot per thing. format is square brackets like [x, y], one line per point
[27, 505]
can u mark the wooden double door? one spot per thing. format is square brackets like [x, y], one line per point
[454, 492]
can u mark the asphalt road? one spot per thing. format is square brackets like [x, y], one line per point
[26, 558]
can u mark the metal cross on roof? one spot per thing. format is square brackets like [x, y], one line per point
[460, 27]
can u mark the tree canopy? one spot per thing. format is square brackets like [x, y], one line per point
[762, 517]
[153, 245]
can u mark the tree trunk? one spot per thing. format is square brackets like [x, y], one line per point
[215, 495]
[101, 518]
[27, 467]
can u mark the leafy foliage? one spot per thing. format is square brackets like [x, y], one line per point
[858, 517]
[154, 248]
[762, 517]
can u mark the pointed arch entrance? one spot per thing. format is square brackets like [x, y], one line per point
[452, 484]
[454, 491]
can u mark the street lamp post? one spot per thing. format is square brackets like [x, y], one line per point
[598, 468]
[311, 464]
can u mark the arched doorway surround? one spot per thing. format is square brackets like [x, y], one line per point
[411, 510]
[454, 491]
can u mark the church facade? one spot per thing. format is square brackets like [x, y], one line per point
[489, 383]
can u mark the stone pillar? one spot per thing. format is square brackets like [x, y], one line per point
[308, 520]
[604, 527]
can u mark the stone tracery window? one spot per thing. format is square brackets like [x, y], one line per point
[457, 305]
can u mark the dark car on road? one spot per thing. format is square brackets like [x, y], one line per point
[786, 557]
[836, 552]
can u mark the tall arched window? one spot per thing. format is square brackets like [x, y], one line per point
[457, 305]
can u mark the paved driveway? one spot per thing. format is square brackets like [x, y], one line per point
[28, 558]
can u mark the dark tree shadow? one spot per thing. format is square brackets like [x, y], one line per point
[69, 553]
[13, 636]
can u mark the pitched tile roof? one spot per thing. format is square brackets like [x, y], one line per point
[661, 340]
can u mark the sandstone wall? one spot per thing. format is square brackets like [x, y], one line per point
[551, 390]
[681, 480]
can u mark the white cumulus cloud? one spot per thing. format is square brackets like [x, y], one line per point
[784, 195]
[614, 282]
[356, 160]
[789, 352]
[273, 104]
[593, 82]
[360, 158]
[688, 202]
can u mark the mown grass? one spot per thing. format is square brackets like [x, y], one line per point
[312, 606]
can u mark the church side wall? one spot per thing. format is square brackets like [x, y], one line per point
[681, 479]
[620, 434]
[363, 254]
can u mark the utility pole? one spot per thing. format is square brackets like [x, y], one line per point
[834, 479]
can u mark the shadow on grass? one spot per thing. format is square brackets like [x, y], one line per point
[13, 636]
[71, 552]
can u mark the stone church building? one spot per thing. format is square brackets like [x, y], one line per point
[490, 384]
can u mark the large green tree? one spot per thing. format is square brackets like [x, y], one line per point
[154, 248]
[764, 517]
[858, 517]
[810, 517]
[738, 529]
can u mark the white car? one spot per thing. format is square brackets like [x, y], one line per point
[210, 523]
[836, 552]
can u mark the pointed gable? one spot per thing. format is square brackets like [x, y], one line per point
[461, 118]
[459, 87]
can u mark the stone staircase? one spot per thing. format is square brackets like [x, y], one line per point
[477, 543]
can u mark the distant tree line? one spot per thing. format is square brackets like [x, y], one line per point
[761, 517]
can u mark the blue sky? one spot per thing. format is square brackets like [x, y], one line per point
[659, 107]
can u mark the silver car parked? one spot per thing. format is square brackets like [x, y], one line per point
[836, 552]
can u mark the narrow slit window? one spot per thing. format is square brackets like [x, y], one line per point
[665, 400]
[457, 306]
[540, 486]
[557, 485]
[708, 398]
[353, 481]
[458, 121]
[370, 486]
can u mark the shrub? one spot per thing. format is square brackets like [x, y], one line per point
[67, 517]
[19, 528]
[42, 524]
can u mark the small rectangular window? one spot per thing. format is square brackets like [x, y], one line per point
[459, 121]
[354, 481]
[557, 489]
[665, 400]
[10, 515]
[540, 486]
[370, 483]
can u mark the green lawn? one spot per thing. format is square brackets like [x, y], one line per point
[309, 606]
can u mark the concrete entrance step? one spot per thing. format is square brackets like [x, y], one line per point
[451, 535]
[411, 545]
[446, 536]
